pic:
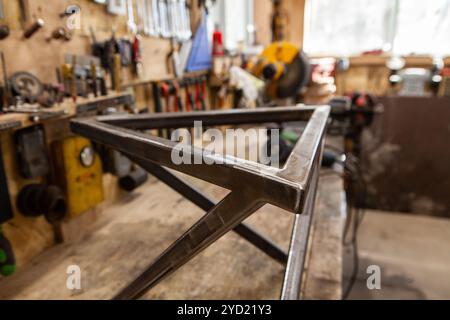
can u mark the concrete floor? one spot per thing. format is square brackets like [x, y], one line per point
[412, 251]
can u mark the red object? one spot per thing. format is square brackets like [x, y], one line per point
[189, 107]
[137, 50]
[361, 101]
[165, 91]
[176, 90]
[446, 72]
[218, 49]
[198, 97]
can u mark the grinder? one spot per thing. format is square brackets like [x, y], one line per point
[284, 67]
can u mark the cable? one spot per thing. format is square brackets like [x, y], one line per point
[355, 215]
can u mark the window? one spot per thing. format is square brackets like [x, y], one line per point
[235, 18]
[347, 27]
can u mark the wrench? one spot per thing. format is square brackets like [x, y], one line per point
[131, 22]
[151, 28]
[163, 19]
[185, 20]
[173, 18]
[142, 17]
[155, 16]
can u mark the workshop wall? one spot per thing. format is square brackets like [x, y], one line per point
[406, 156]
[30, 236]
[294, 12]
[41, 57]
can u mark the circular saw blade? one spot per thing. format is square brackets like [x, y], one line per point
[26, 85]
[295, 77]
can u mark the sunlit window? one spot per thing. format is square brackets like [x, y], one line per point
[348, 27]
[235, 18]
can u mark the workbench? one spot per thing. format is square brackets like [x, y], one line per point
[133, 231]
[30, 237]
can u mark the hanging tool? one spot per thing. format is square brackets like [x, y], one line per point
[157, 97]
[190, 101]
[173, 19]
[200, 102]
[73, 83]
[113, 59]
[155, 16]
[142, 17]
[70, 11]
[173, 59]
[152, 17]
[126, 52]
[158, 105]
[164, 19]
[117, 73]
[99, 49]
[185, 20]
[94, 83]
[7, 259]
[132, 27]
[24, 12]
[204, 90]
[35, 27]
[7, 95]
[200, 57]
[146, 18]
[68, 75]
[176, 91]
[137, 56]
[60, 34]
[165, 92]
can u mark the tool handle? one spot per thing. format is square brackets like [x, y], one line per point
[157, 97]
[180, 104]
[203, 93]
[33, 28]
[178, 98]
[7, 259]
[198, 97]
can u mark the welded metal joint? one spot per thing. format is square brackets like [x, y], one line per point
[292, 187]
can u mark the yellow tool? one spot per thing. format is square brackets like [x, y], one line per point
[80, 173]
[284, 66]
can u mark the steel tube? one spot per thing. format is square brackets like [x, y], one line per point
[209, 118]
[202, 201]
[252, 185]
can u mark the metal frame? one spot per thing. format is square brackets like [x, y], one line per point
[251, 185]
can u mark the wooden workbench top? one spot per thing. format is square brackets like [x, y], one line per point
[68, 107]
[132, 232]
